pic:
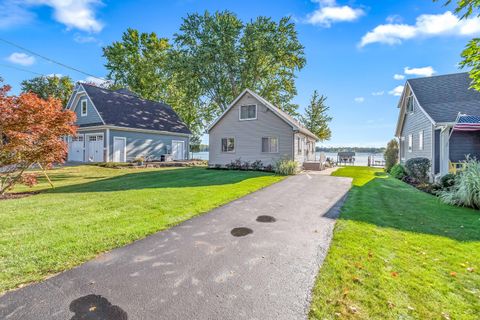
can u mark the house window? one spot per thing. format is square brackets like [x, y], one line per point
[410, 143]
[299, 145]
[270, 144]
[228, 144]
[410, 104]
[402, 148]
[248, 112]
[420, 140]
[84, 107]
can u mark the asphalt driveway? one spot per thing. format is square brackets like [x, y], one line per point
[202, 269]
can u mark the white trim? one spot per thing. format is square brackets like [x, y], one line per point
[421, 140]
[401, 104]
[107, 133]
[234, 144]
[269, 137]
[410, 143]
[84, 103]
[133, 130]
[247, 119]
[183, 153]
[264, 102]
[124, 148]
[78, 95]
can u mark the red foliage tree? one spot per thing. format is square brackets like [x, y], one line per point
[31, 133]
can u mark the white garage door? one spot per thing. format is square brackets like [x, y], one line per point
[75, 148]
[94, 148]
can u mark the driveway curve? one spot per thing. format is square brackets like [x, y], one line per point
[203, 268]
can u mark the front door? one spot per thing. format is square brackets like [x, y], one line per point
[119, 144]
[178, 150]
[75, 148]
[94, 148]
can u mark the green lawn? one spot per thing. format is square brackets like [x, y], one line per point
[95, 209]
[399, 253]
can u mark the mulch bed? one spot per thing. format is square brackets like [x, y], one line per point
[17, 195]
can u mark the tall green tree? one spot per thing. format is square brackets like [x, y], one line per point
[471, 54]
[50, 87]
[139, 62]
[316, 118]
[227, 55]
[391, 154]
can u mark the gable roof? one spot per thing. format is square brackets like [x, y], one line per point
[443, 97]
[123, 108]
[279, 112]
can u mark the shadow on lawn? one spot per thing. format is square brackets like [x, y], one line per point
[173, 178]
[394, 204]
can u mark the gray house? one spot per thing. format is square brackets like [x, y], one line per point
[119, 126]
[428, 122]
[252, 128]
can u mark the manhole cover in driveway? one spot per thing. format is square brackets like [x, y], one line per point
[266, 219]
[241, 232]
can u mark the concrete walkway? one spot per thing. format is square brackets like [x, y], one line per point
[198, 269]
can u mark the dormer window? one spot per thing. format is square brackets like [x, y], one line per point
[248, 112]
[83, 105]
[410, 104]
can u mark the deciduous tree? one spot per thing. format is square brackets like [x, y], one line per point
[471, 53]
[31, 132]
[60, 87]
[316, 118]
[140, 63]
[227, 56]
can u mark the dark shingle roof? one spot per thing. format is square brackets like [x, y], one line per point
[125, 109]
[443, 97]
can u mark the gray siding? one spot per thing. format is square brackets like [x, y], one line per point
[248, 135]
[146, 144]
[303, 154]
[92, 116]
[463, 144]
[413, 124]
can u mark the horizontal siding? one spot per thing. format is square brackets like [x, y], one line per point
[146, 144]
[413, 124]
[304, 154]
[248, 135]
[463, 144]
[92, 114]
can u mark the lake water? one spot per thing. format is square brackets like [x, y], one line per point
[361, 159]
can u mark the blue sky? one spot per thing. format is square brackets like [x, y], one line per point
[358, 52]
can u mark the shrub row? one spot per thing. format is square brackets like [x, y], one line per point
[462, 189]
[281, 167]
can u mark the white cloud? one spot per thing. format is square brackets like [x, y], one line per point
[359, 99]
[398, 76]
[378, 93]
[423, 72]
[329, 12]
[75, 14]
[397, 91]
[13, 14]
[394, 18]
[84, 39]
[96, 81]
[21, 59]
[426, 25]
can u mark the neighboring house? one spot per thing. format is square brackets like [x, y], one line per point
[119, 126]
[251, 129]
[429, 109]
